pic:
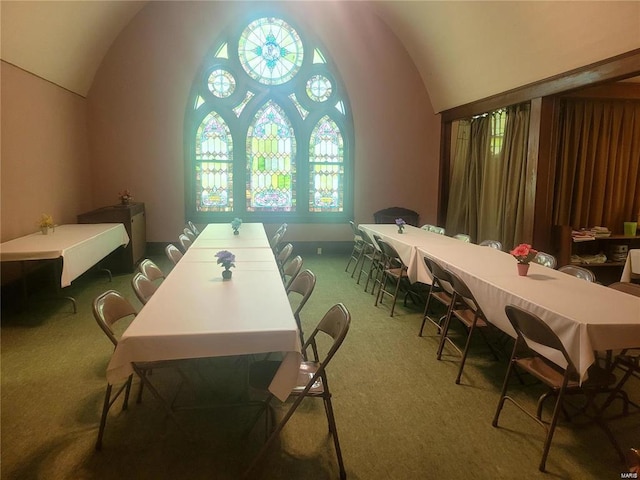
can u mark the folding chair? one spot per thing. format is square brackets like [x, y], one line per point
[491, 243]
[372, 253]
[143, 287]
[440, 290]
[312, 379]
[545, 259]
[302, 285]
[185, 242]
[282, 257]
[463, 237]
[394, 270]
[193, 228]
[356, 251]
[189, 233]
[465, 308]
[150, 270]
[173, 253]
[531, 331]
[578, 272]
[291, 270]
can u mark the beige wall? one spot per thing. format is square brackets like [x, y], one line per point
[45, 164]
[137, 104]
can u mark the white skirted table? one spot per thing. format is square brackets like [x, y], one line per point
[75, 248]
[587, 317]
[196, 314]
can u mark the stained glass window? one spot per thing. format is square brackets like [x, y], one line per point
[271, 161]
[270, 51]
[214, 173]
[274, 93]
[326, 154]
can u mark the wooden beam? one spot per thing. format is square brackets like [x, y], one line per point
[622, 66]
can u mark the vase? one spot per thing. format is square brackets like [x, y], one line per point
[523, 268]
[236, 232]
[44, 230]
[125, 201]
[226, 274]
[400, 230]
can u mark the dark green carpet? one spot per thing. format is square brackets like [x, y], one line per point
[399, 413]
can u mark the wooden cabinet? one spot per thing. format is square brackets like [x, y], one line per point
[133, 218]
[607, 272]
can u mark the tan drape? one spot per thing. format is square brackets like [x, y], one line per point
[598, 167]
[486, 197]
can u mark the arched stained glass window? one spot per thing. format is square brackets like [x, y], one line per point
[326, 166]
[273, 92]
[271, 161]
[214, 165]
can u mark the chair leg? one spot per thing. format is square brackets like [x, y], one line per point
[466, 350]
[503, 392]
[552, 428]
[334, 432]
[445, 330]
[103, 417]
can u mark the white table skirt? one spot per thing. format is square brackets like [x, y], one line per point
[81, 246]
[586, 316]
[195, 314]
[632, 265]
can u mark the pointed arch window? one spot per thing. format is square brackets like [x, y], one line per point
[269, 129]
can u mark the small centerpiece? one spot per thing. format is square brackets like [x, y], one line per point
[400, 223]
[226, 259]
[125, 197]
[45, 223]
[523, 253]
[235, 224]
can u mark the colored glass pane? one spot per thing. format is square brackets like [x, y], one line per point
[240, 107]
[303, 113]
[271, 148]
[199, 101]
[319, 88]
[270, 51]
[222, 51]
[326, 159]
[318, 57]
[221, 83]
[214, 173]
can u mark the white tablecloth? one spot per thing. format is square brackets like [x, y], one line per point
[81, 246]
[586, 316]
[632, 265]
[195, 314]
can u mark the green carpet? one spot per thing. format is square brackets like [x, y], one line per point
[399, 413]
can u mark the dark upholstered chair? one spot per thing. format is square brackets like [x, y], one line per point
[389, 215]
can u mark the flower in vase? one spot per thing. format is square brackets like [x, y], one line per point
[400, 223]
[125, 196]
[226, 259]
[46, 221]
[523, 253]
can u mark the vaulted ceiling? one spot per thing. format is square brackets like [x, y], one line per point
[464, 51]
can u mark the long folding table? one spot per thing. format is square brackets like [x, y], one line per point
[587, 317]
[75, 248]
[196, 314]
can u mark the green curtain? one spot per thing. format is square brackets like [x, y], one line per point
[488, 180]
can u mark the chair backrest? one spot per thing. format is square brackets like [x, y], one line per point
[355, 230]
[150, 270]
[284, 254]
[367, 238]
[627, 287]
[282, 229]
[184, 241]
[193, 228]
[427, 227]
[303, 284]
[143, 287]
[173, 253]
[335, 323]
[438, 230]
[389, 215]
[109, 308]
[463, 236]
[461, 289]
[291, 270]
[187, 231]
[545, 259]
[579, 272]
[491, 243]
[530, 328]
[440, 275]
[390, 254]
[274, 241]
